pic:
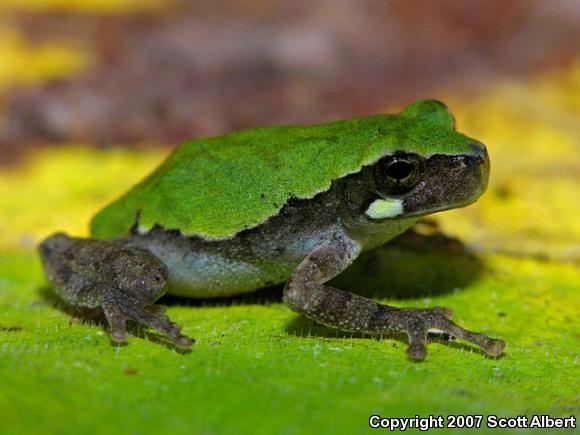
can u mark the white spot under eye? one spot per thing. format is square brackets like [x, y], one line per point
[142, 229]
[385, 208]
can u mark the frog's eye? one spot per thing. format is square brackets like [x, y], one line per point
[398, 173]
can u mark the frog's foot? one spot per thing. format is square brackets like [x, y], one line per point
[119, 307]
[418, 322]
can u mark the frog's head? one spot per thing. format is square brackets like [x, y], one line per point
[433, 168]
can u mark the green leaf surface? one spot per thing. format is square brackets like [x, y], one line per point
[259, 368]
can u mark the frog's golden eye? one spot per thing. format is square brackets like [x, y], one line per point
[398, 173]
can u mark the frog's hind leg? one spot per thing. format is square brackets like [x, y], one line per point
[306, 293]
[124, 281]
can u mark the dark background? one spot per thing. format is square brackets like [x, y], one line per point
[208, 67]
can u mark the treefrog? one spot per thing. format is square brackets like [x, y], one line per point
[298, 204]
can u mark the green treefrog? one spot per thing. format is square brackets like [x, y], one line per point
[298, 204]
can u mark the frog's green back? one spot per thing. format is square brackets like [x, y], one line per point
[216, 187]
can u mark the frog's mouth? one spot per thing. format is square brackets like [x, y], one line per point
[450, 181]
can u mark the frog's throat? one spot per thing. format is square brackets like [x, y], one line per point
[385, 208]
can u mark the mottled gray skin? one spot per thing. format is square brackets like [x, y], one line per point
[308, 243]
[123, 282]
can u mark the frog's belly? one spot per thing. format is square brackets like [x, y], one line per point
[202, 269]
[207, 275]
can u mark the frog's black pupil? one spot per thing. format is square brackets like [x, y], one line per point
[399, 170]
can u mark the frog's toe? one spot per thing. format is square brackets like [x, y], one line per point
[417, 333]
[493, 346]
[117, 323]
[119, 335]
[153, 318]
[416, 351]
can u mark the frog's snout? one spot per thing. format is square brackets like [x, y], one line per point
[482, 158]
[450, 181]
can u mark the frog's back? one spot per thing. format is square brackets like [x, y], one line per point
[214, 188]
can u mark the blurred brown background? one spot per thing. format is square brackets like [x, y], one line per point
[193, 68]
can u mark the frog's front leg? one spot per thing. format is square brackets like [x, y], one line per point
[306, 293]
[124, 281]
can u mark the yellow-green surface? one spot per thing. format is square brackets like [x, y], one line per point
[254, 368]
[259, 368]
